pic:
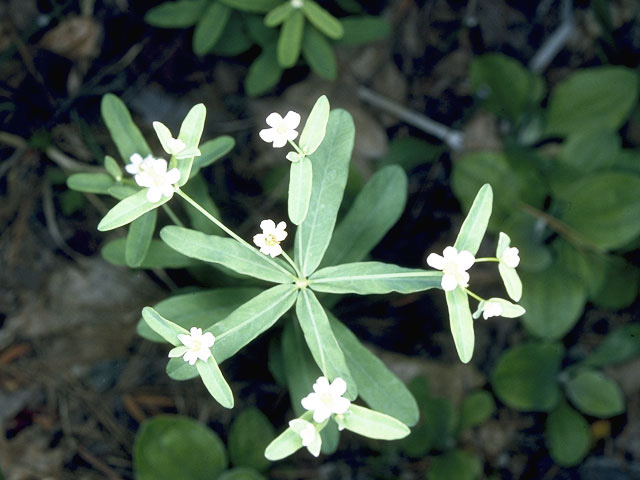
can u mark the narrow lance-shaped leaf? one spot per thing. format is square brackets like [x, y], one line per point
[264, 73]
[372, 424]
[287, 443]
[321, 341]
[509, 276]
[215, 382]
[315, 127]
[90, 182]
[212, 151]
[318, 53]
[127, 210]
[163, 327]
[475, 225]
[377, 385]
[373, 278]
[139, 238]
[124, 132]
[461, 323]
[300, 189]
[290, 40]
[278, 15]
[253, 6]
[113, 168]
[210, 27]
[375, 210]
[322, 20]
[225, 251]
[178, 14]
[330, 170]
[190, 133]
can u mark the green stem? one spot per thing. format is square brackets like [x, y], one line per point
[298, 149]
[230, 232]
[486, 259]
[471, 294]
[174, 218]
[293, 264]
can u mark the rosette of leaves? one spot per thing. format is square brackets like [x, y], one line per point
[572, 205]
[283, 31]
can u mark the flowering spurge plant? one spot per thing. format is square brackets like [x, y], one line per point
[328, 257]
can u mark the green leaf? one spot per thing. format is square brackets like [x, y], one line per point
[127, 210]
[113, 168]
[377, 385]
[322, 20]
[171, 446]
[214, 381]
[180, 14]
[595, 394]
[554, 300]
[475, 224]
[509, 276]
[286, 443]
[567, 436]
[603, 208]
[509, 310]
[249, 435]
[315, 128]
[366, 278]
[234, 39]
[124, 132]
[619, 285]
[250, 320]
[330, 170]
[361, 29]
[120, 191]
[476, 408]
[190, 133]
[375, 210]
[168, 330]
[159, 255]
[198, 309]
[198, 190]
[321, 341]
[210, 27]
[224, 251]
[601, 96]
[139, 238]
[525, 377]
[525, 232]
[90, 182]
[300, 183]
[253, 6]
[318, 53]
[619, 346]
[456, 464]
[241, 473]
[290, 40]
[264, 73]
[372, 424]
[212, 151]
[461, 323]
[505, 85]
[278, 15]
[590, 150]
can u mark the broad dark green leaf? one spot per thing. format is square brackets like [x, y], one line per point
[554, 300]
[234, 39]
[139, 238]
[264, 73]
[595, 394]
[377, 385]
[318, 53]
[375, 210]
[461, 323]
[90, 182]
[253, 6]
[457, 464]
[178, 14]
[476, 408]
[590, 150]
[300, 181]
[249, 435]
[567, 436]
[475, 224]
[600, 96]
[330, 170]
[322, 342]
[242, 473]
[210, 27]
[159, 255]
[278, 15]
[322, 20]
[290, 40]
[225, 251]
[361, 29]
[525, 377]
[124, 133]
[620, 284]
[127, 210]
[619, 346]
[168, 447]
[373, 278]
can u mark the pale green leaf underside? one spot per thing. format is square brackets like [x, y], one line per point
[316, 126]
[163, 327]
[139, 238]
[475, 225]
[214, 381]
[372, 424]
[124, 132]
[461, 323]
[300, 190]
[127, 210]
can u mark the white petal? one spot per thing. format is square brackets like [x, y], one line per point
[275, 251]
[279, 142]
[465, 260]
[291, 135]
[321, 413]
[173, 176]
[154, 194]
[267, 226]
[321, 385]
[195, 331]
[338, 387]
[435, 261]
[292, 119]
[168, 190]
[258, 240]
[314, 447]
[143, 179]
[463, 279]
[449, 282]
[190, 357]
[268, 134]
[208, 339]
[450, 253]
[136, 159]
[309, 402]
[274, 119]
[341, 405]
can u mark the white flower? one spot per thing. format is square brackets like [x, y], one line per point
[137, 163]
[309, 435]
[282, 129]
[196, 346]
[297, 3]
[175, 146]
[326, 399]
[294, 157]
[453, 266]
[491, 309]
[153, 174]
[511, 257]
[270, 238]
